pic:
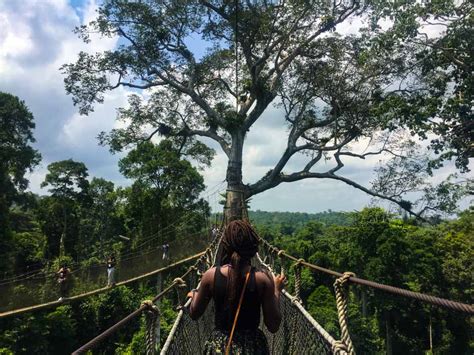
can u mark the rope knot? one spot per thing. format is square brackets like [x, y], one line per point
[179, 282]
[339, 348]
[279, 252]
[150, 306]
[295, 300]
[344, 278]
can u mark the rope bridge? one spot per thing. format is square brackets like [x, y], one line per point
[52, 304]
[25, 295]
[299, 332]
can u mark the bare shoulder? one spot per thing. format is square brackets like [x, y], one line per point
[208, 276]
[264, 278]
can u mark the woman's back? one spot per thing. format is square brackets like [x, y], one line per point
[224, 285]
[249, 317]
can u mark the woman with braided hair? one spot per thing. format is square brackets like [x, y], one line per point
[238, 288]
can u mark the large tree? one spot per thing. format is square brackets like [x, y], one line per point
[61, 212]
[17, 157]
[165, 191]
[382, 85]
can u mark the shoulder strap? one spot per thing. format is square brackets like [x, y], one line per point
[227, 348]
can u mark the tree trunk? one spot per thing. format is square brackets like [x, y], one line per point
[62, 248]
[235, 196]
[431, 336]
[364, 302]
[388, 334]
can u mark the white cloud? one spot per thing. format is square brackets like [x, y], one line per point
[36, 38]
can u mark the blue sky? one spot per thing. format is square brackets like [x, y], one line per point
[36, 39]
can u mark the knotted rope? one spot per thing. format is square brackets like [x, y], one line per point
[151, 317]
[297, 269]
[341, 303]
[339, 348]
[180, 283]
[280, 254]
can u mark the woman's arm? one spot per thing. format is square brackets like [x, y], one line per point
[271, 300]
[202, 296]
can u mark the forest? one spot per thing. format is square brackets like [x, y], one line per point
[330, 90]
[79, 221]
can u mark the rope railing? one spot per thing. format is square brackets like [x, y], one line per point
[306, 335]
[148, 305]
[437, 301]
[145, 306]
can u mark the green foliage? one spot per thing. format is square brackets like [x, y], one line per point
[67, 179]
[16, 154]
[17, 157]
[160, 168]
[322, 305]
[295, 220]
[168, 186]
[433, 260]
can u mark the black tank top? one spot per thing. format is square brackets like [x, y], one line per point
[249, 317]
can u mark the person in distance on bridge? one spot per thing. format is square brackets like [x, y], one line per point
[63, 281]
[111, 271]
[238, 285]
[165, 247]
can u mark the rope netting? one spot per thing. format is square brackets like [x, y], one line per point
[299, 332]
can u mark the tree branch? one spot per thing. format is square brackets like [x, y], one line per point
[265, 184]
[210, 134]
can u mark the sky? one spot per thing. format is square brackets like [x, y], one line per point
[36, 38]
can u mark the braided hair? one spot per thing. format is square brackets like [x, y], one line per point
[240, 244]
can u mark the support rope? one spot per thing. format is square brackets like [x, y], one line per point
[341, 303]
[151, 317]
[297, 270]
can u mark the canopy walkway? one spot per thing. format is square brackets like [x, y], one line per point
[41, 292]
[299, 332]
[99, 290]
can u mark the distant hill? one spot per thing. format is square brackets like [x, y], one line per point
[297, 219]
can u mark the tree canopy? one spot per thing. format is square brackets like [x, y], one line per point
[402, 75]
[167, 184]
[17, 157]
